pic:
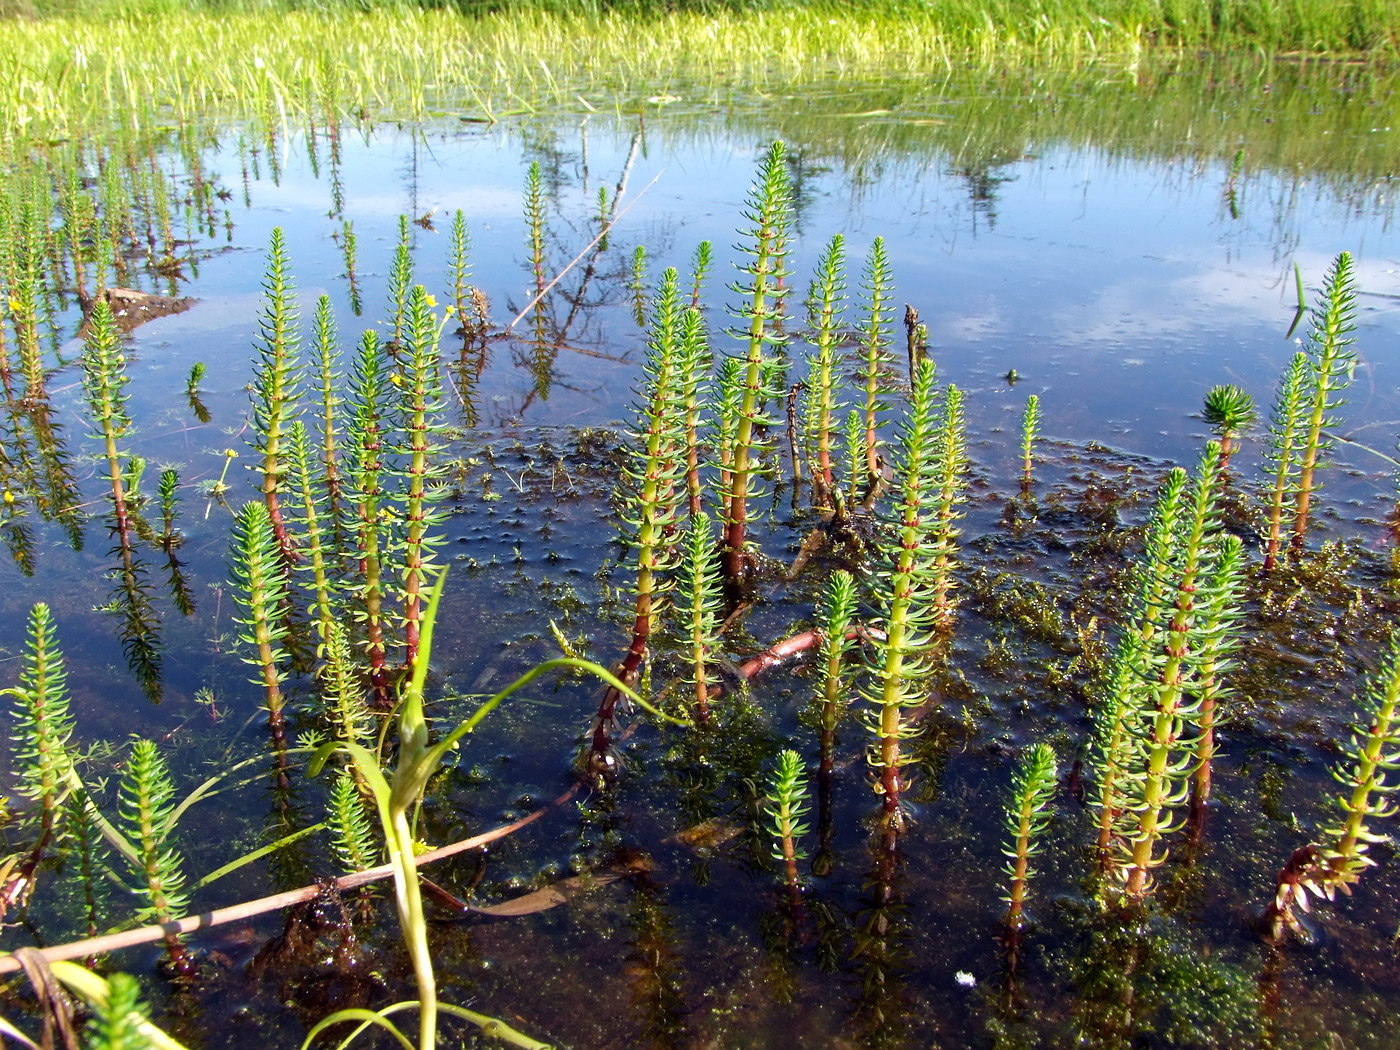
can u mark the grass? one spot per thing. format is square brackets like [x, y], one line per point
[182, 60]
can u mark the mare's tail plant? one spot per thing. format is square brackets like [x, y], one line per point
[874, 361]
[1229, 411]
[1366, 771]
[421, 409]
[1175, 647]
[1027, 814]
[367, 502]
[1285, 426]
[260, 587]
[907, 590]
[826, 303]
[833, 697]
[653, 490]
[42, 728]
[1330, 360]
[148, 815]
[769, 213]
[786, 806]
[1030, 433]
[1310, 393]
[275, 385]
[699, 603]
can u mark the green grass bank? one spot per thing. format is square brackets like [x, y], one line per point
[179, 58]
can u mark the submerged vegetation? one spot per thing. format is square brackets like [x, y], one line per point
[845, 630]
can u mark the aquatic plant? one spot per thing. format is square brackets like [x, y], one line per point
[259, 577]
[699, 606]
[147, 813]
[835, 620]
[459, 269]
[276, 377]
[421, 411]
[1030, 433]
[873, 360]
[397, 795]
[1026, 816]
[1285, 423]
[1330, 361]
[1311, 391]
[825, 306]
[768, 209]
[1365, 770]
[1183, 610]
[785, 807]
[637, 285]
[1228, 410]
[907, 593]
[367, 435]
[42, 728]
[652, 491]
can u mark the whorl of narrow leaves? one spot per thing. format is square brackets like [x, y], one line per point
[825, 306]
[259, 576]
[787, 804]
[699, 602]
[104, 373]
[352, 834]
[459, 269]
[42, 725]
[907, 590]
[1331, 359]
[277, 375]
[768, 211]
[700, 264]
[116, 1022]
[1030, 433]
[145, 806]
[873, 371]
[1366, 770]
[1027, 814]
[1282, 451]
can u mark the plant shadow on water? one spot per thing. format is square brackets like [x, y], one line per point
[649, 907]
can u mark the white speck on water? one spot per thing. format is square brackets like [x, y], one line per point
[965, 979]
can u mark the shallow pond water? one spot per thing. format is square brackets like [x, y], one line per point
[1059, 236]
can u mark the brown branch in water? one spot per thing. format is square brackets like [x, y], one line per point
[9, 963]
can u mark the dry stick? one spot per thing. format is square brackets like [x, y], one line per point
[248, 909]
[579, 257]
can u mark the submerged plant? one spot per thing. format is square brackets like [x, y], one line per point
[1229, 411]
[699, 602]
[1365, 770]
[148, 816]
[260, 587]
[769, 213]
[825, 306]
[1311, 391]
[275, 382]
[874, 360]
[1027, 814]
[785, 807]
[907, 589]
[1030, 433]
